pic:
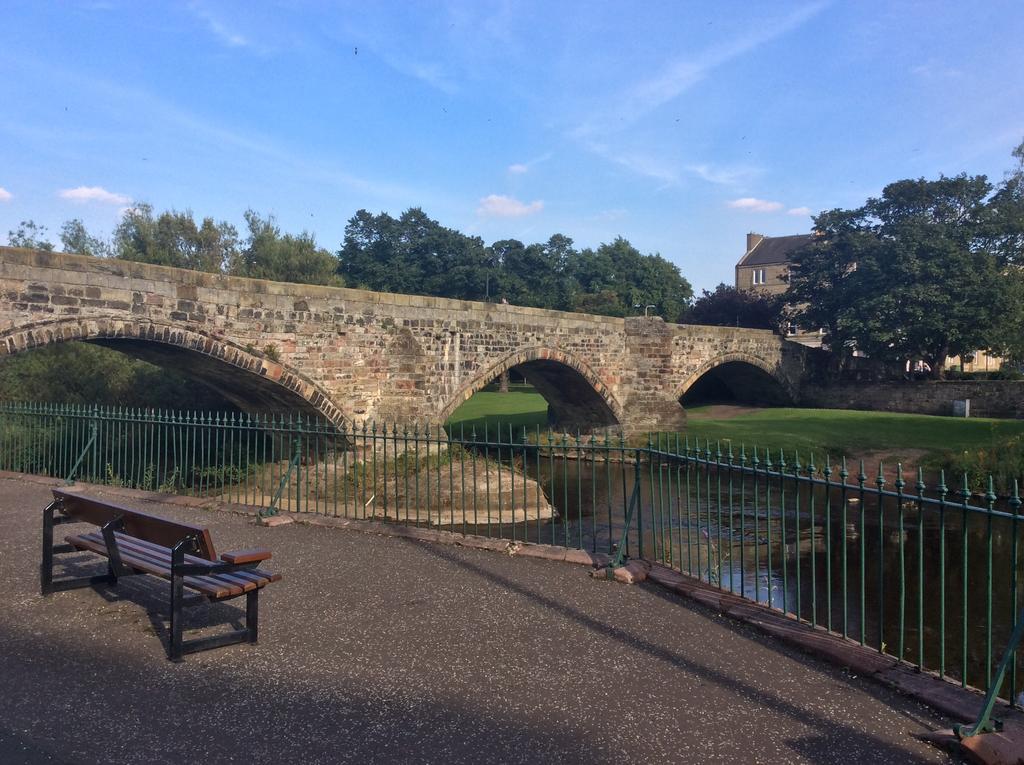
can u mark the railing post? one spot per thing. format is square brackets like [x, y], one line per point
[89, 446]
[292, 466]
[620, 553]
[985, 722]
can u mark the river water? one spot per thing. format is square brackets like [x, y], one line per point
[936, 584]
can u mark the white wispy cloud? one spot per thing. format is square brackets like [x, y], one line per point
[799, 211]
[230, 37]
[623, 110]
[680, 75]
[520, 168]
[733, 175]
[609, 216]
[499, 206]
[82, 194]
[5, 195]
[755, 205]
[641, 163]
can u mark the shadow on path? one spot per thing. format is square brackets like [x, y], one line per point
[856, 743]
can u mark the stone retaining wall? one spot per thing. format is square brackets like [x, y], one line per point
[989, 398]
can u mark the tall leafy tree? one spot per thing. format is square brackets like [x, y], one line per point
[413, 254]
[75, 238]
[730, 307]
[636, 279]
[539, 275]
[175, 239]
[269, 254]
[910, 275]
[30, 235]
[1005, 232]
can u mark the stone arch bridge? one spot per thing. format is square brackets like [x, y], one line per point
[356, 356]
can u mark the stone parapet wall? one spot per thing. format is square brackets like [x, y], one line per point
[989, 398]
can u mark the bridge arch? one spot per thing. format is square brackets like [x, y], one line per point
[577, 396]
[747, 377]
[213, 360]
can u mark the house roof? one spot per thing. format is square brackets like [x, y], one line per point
[774, 249]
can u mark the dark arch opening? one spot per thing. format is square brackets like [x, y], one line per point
[736, 382]
[241, 390]
[573, 404]
[172, 377]
[543, 393]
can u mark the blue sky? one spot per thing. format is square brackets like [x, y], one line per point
[680, 126]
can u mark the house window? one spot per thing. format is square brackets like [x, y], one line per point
[758, 275]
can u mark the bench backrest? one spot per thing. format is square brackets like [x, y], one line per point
[150, 528]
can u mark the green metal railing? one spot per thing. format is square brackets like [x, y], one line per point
[928, 574]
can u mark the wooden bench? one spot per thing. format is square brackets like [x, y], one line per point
[139, 543]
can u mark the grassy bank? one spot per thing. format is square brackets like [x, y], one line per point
[521, 407]
[851, 432]
[922, 438]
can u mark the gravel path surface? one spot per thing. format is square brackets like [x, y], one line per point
[377, 649]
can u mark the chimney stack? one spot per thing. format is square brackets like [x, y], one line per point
[753, 240]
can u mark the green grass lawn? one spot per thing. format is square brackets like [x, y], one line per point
[837, 432]
[520, 407]
[848, 432]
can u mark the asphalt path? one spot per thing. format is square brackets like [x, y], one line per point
[379, 649]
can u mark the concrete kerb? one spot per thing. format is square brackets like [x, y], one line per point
[1004, 748]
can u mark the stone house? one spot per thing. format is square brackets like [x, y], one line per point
[766, 262]
[765, 266]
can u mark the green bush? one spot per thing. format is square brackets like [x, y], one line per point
[1003, 461]
[1003, 373]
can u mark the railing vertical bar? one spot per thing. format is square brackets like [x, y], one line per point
[901, 536]
[965, 494]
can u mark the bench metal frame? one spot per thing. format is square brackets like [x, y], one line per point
[116, 569]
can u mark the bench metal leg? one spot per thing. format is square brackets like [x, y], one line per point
[46, 584]
[252, 614]
[180, 647]
[175, 651]
[46, 568]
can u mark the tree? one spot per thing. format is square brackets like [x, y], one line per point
[909, 275]
[730, 307]
[174, 239]
[1005, 232]
[539, 275]
[413, 254]
[75, 238]
[268, 254]
[29, 235]
[636, 279]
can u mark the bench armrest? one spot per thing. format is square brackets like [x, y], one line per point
[245, 556]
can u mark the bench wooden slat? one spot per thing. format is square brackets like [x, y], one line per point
[161, 556]
[255, 576]
[132, 559]
[216, 586]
